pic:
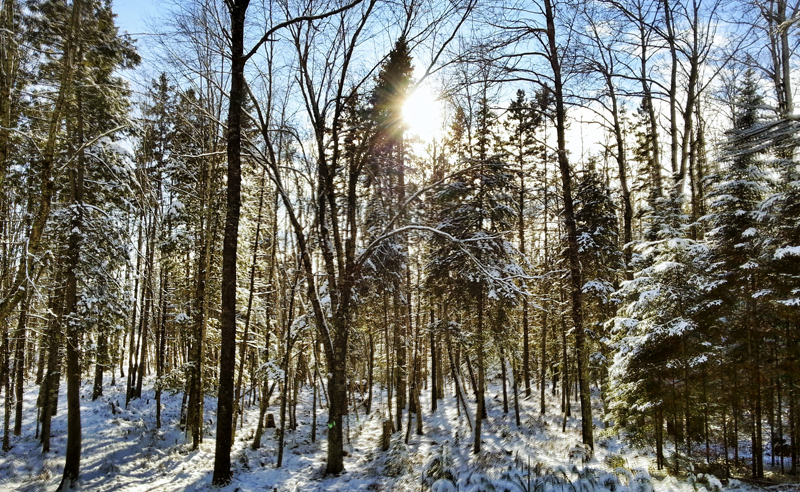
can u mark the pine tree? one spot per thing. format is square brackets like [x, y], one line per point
[388, 159]
[524, 118]
[470, 250]
[658, 340]
[601, 262]
[85, 120]
[736, 255]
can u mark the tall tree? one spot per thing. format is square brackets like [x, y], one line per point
[237, 10]
[524, 117]
[736, 253]
[387, 165]
[601, 262]
[554, 57]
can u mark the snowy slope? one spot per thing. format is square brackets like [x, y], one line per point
[122, 450]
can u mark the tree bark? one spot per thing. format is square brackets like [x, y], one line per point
[19, 364]
[337, 390]
[572, 238]
[622, 168]
[227, 364]
[9, 61]
[132, 349]
[161, 345]
[672, 94]
[5, 385]
[479, 415]
[74, 328]
[434, 368]
[48, 390]
[147, 289]
[656, 188]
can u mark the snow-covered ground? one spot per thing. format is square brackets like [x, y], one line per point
[122, 450]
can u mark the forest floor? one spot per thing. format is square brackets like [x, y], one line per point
[122, 450]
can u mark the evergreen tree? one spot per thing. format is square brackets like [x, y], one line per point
[736, 252]
[388, 160]
[781, 238]
[523, 119]
[470, 252]
[601, 262]
[94, 197]
[658, 340]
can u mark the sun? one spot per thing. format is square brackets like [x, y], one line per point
[422, 113]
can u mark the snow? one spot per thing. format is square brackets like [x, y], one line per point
[750, 265]
[785, 251]
[121, 147]
[175, 209]
[122, 450]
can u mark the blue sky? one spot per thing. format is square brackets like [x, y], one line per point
[131, 14]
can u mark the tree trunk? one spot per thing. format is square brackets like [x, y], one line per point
[434, 368]
[526, 351]
[194, 417]
[5, 385]
[148, 306]
[132, 349]
[48, 390]
[400, 385]
[504, 377]
[545, 310]
[74, 328]
[243, 351]
[314, 398]
[543, 375]
[287, 356]
[672, 95]
[572, 238]
[99, 366]
[222, 456]
[162, 345]
[654, 166]
[9, 61]
[19, 364]
[659, 425]
[476, 445]
[337, 391]
[515, 387]
[460, 394]
[622, 168]
[370, 372]
[786, 54]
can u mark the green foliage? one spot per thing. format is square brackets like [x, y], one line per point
[475, 209]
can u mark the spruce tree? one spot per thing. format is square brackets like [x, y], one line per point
[602, 264]
[736, 255]
[657, 338]
[387, 159]
[474, 211]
